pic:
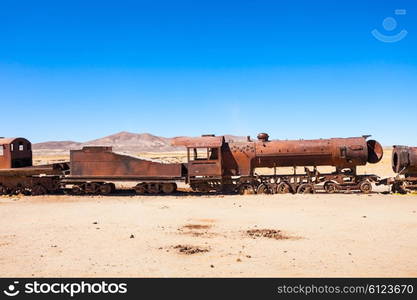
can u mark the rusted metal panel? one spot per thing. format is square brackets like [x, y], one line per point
[238, 158]
[15, 153]
[102, 162]
[207, 168]
[404, 160]
[28, 171]
[6, 141]
[199, 142]
[52, 169]
[208, 164]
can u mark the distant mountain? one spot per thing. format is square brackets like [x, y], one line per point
[123, 141]
[134, 142]
[61, 145]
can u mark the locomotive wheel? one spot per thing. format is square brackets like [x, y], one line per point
[77, 190]
[3, 190]
[18, 189]
[38, 190]
[305, 188]
[92, 188]
[283, 188]
[169, 188]
[140, 189]
[105, 189]
[153, 188]
[246, 189]
[365, 187]
[264, 189]
[331, 187]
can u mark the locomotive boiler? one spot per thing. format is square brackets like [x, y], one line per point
[338, 152]
[404, 163]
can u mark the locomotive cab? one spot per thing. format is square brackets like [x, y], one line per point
[204, 155]
[15, 153]
[204, 161]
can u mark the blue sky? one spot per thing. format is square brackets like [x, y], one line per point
[79, 70]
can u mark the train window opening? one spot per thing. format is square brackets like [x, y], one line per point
[20, 146]
[199, 154]
[1, 150]
[213, 153]
[204, 154]
[11, 147]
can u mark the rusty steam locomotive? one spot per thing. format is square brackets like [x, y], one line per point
[213, 165]
[404, 163]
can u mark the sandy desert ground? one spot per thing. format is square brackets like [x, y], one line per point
[210, 236]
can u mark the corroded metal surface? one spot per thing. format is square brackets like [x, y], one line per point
[96, 162]
[404, 163]
[404, 160]
[213, 165]
[204, 141]
[241, 159]
[15, 153]
[17, 175]
[338, 152]
[94, 170]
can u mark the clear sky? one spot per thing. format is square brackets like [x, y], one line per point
[79, 70]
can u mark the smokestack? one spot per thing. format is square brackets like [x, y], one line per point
[263, 137]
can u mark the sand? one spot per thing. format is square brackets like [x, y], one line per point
[209, 236]
[321, 235]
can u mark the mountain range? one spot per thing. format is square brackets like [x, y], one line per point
[123, 141]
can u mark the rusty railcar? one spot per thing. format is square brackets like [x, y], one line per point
[17, 173]
[96, 169]
[214, 164]
[404, 163]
